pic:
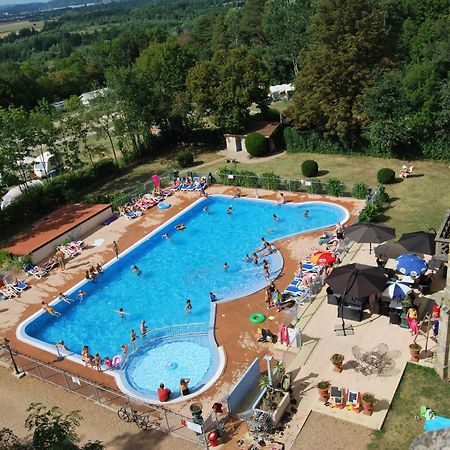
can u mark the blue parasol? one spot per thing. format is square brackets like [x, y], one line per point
[411, 265]
[397, 289]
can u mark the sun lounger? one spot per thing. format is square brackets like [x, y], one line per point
[6, 290]
[309, 267]
[131, 214]
[48, 265]
[36, 271]
[18, 286]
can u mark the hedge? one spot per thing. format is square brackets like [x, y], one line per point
[386, 176]
[310, 168]
[185, 159]
[256, 144]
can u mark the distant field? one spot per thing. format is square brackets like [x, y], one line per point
[12, 27]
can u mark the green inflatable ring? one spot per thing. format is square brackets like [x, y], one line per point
[257, 318]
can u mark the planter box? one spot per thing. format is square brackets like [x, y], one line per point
[279, 411]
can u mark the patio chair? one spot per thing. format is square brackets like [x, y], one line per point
[358, 355]
[6, 290]
[16, 285]
[35, 271]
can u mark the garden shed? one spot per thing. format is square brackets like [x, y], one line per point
[236, 142]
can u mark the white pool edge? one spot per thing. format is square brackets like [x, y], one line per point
[119, 375]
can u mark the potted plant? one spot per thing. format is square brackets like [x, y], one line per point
[415, 349]
[337, 359]
[324, 387]
[368, 400]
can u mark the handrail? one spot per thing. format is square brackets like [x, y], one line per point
[184, 329]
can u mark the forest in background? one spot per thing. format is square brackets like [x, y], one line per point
[371, 76]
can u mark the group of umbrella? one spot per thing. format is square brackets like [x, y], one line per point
[359, 280]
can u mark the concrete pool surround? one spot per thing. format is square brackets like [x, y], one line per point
[120, 375]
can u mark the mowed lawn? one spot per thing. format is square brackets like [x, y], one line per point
[10, 27]
[418, 203]
[419, 386]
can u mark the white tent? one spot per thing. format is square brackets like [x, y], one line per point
[15, 192]
[278, 89]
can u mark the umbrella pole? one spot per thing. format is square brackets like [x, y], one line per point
[346, 290]
[370, 248]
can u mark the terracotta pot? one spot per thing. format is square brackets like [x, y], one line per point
[415, 354]
[338, 368]
[324, 394]
[367, 407]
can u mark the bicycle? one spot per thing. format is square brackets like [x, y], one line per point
[127, 414]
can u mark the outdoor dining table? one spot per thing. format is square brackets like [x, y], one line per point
[374, 360]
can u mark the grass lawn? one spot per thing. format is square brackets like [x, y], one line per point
[142, 173]
[418, 203]
[9, 27]
[419, 386]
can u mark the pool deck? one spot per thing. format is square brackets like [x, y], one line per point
[233, 329]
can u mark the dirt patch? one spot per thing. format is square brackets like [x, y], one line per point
[322, 431]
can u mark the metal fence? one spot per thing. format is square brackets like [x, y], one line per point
[160, 418]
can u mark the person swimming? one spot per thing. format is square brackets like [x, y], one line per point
[306, 213]
[136, 269]
[64, 298]
[188, 306]
[50, 310]
[226, 266]
[180, 226]
[81, 294]
[276, 218]
[247, 258]
[143, 328]
[255, 259]
[121, 312]
[166, 236]
[205, 209]
[230, 210]
[212, 297]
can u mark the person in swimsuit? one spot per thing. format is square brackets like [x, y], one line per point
[62, 297]
[230, 210]
[98, 362]
[136, 269]
[188, 306]
[212, 297]
[50, 310]
[184, 388]
[226, 266]
[99, 268]
[339, 230]
[133, 338]
[143, 328]
[166, 236]
[276, 218]
[247, 258]
[306, 213]
[81, 295]
[255, 259]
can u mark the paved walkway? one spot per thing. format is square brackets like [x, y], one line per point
[312, 363]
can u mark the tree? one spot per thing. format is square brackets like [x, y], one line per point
[285, 24]
[251, 21]
[15, 141]
[224, 88]
[161, 72]
[51, 430]
[349, 40]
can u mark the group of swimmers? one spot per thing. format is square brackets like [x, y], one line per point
[61, 297]
[93, 272]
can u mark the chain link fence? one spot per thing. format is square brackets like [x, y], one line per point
[159, 418]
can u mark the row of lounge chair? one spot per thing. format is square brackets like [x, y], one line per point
[11, 288]
[297, 287]
[189, 184]
[71, 249]
[136, 206]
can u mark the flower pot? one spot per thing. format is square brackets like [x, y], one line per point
[337, 368]
[324, 394]
[367, 408]
[415, 353]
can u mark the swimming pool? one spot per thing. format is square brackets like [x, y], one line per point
[188, 265]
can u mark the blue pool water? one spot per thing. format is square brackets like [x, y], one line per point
[188, 265]
[170, 358]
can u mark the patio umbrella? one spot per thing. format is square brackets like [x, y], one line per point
[390, 250]
[397, 289]
[357, 280]
[419, 242]
[323, 258]
[410, 265]
[156, 180]
[371, 233]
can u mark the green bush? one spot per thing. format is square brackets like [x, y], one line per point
[270, 180]
[386, 176]
[10, 262]
[256, 144]
[105, 168]
[335, 187]
[316, 187]
[384, 196]
[311, 142]
[369, 213]
[360, 190]
[310, 168]
[246, 178]
[185, 159]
